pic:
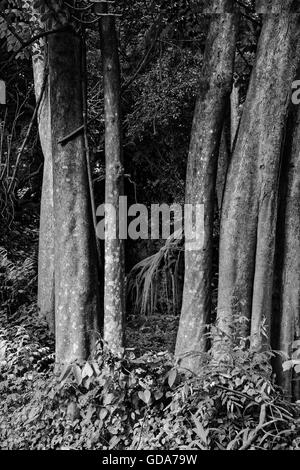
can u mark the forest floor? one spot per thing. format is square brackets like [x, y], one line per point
[31, 418]
[27, 351]
[153, 333]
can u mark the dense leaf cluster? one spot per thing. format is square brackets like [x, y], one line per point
[143, 402]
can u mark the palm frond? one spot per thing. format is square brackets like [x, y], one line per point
[145, 280]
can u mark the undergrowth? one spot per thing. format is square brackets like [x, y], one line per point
[144, 402]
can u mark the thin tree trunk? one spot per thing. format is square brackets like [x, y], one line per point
[234, 113]
[76, 287]
[250, 204]
[230, 127]
[216, 85]
[224, 157]
[114, 287]
[46, 303]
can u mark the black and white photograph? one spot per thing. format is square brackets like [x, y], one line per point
[149, 228]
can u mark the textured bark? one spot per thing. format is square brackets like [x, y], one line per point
[218, 7]
[216, 85]
[229, 133]
[114, 288]
[234, 113]
[223, 158]
[250, 204]
[277, 6]
[46, 303]
[289, 329]
[76, 292]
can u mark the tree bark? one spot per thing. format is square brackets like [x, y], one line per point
[277, 6]
[224, 157]
[234, 113]
[114, 286]
[289, 329]
[76, 287]
[46, 301]
[249, 212]
[216, 85]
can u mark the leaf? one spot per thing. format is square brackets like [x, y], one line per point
[262, 414]
[114, 441]
[103, 413]
[172, 377]
[89, 413]
[87, 371]
[107, 400]
[158, 395]
[296, 344]
[96, 368]
[65, 373]
[200, 431]
[145, 396]
[33, 414]
[297, 369]
[185, 391]
[291, 363]
[3, 346]
[87, 382]
[287, 365]
[77, 374]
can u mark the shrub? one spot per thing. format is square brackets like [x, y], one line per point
[148, 402]
[88, 406]
[18, 277]
[225, 407]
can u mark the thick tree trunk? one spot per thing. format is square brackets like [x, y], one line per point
[289, 329]
[216, 85]
[76, 288]
[114, 287]
[46, 303]
[250, 204]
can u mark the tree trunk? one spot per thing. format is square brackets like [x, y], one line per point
[46, 303]
[290, 290]
[234, 113]
[216, 85]
[76, 288]
[277, 7]
[224, 157]
[230, 127]
[250, 204]
[114, 287]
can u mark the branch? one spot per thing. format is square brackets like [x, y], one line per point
[20, 153]
[31, 175]
[78, 8]
[72, 134]
[139, 68]
[260, 426]
[31, 41]
[99, 16]
[17, 36]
